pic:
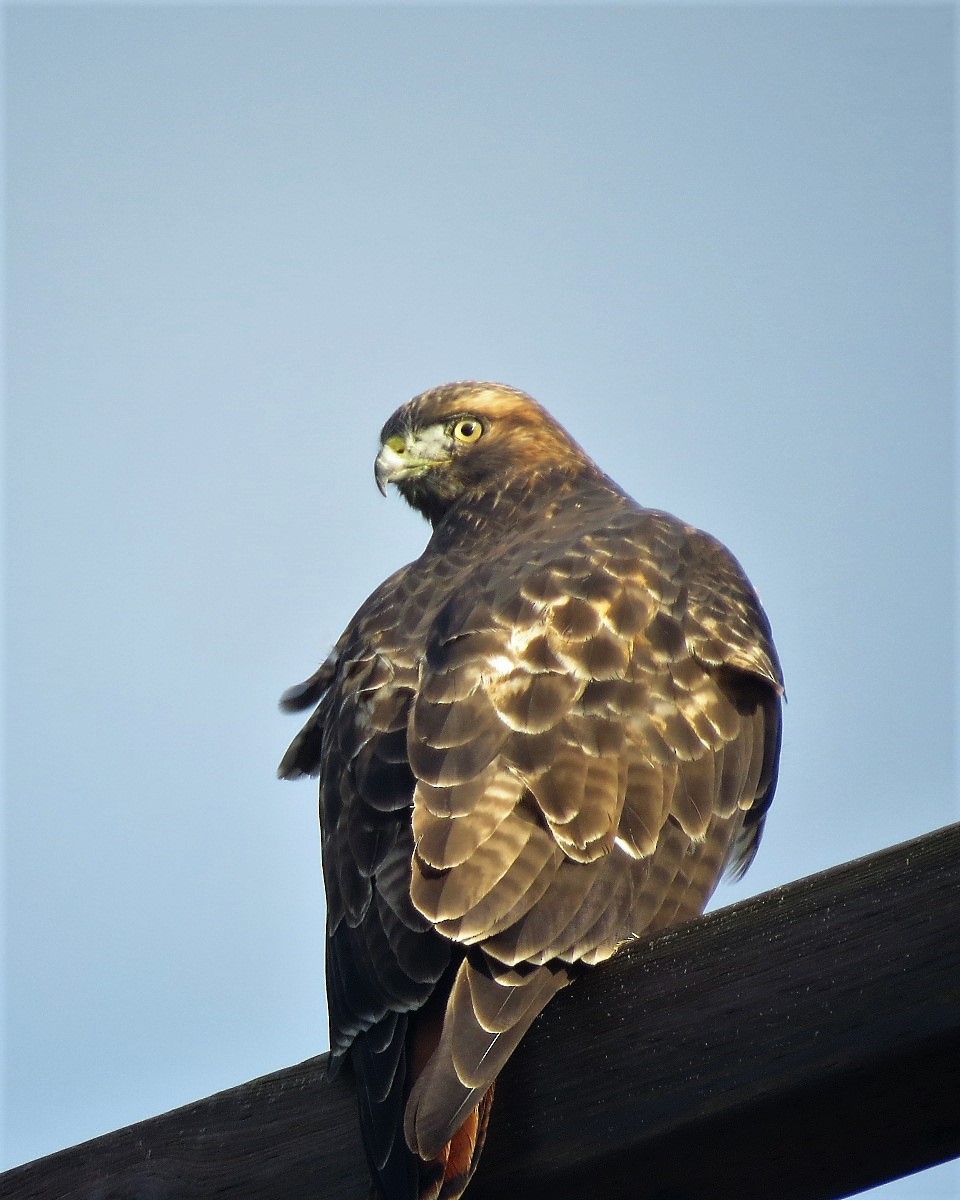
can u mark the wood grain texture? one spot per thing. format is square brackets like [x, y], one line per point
[804, 1044]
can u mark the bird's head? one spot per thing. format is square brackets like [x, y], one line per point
[469, 440]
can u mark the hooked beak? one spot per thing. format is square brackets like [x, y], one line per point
[392, 463]
[407, 456]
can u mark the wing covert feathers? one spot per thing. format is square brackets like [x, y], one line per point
[546, 736]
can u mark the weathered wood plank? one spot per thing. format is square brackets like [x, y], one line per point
[804, 1044]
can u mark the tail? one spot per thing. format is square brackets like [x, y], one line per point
[426, 1078]
[446, 1176]
[382, 1057]
[460, 1043]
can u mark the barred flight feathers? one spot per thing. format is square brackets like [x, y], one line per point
[550, 733]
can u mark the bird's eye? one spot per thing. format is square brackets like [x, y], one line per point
[467, 429]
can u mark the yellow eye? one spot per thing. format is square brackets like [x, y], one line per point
[467, 429]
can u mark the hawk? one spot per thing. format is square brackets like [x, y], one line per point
[551, 733]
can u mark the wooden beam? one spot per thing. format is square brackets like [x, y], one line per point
[804, 1044]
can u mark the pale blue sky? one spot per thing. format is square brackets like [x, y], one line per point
[717, 242]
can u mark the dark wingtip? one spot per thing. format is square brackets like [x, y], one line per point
[289, 769]
[297, 697]
[302, 695]
[303, 754]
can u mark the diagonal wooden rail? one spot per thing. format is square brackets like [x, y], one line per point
[804, 1044]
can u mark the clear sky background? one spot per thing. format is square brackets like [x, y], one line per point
[717, 242]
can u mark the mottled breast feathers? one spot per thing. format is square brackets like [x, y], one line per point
[550, 733]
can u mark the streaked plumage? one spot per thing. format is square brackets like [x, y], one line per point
[550, 733]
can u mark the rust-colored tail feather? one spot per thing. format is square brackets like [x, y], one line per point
[446, 1176]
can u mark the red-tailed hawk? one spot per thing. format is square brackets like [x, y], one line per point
[549, 734]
